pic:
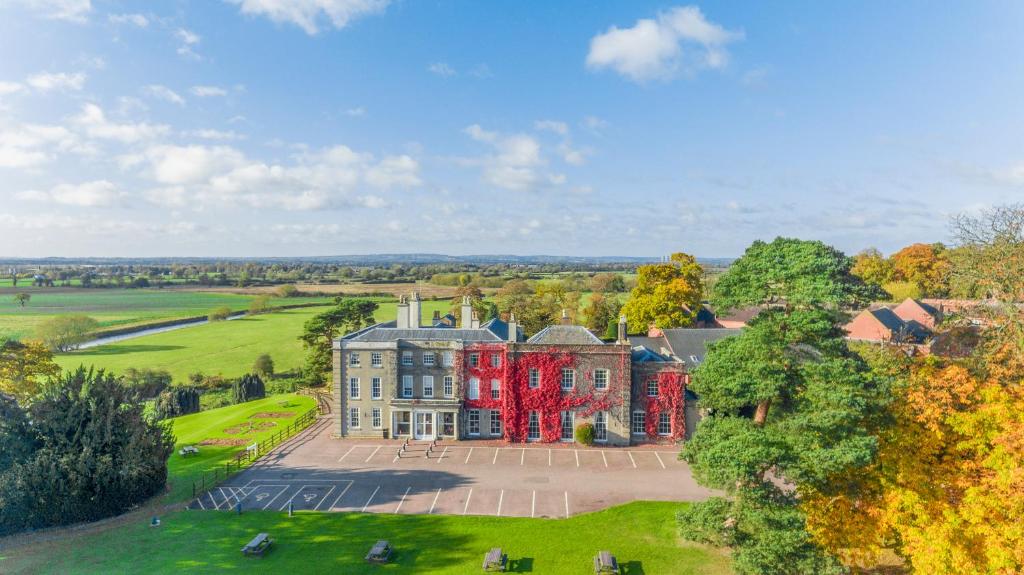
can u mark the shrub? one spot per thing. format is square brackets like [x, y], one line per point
[219, 314]
[66, 332]
[247, 388]
[585, 434]
[263, 366]
[259, 304]
[175, 401]
[147, 382]
[287, 291]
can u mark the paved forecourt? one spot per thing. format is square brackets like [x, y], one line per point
[315, 472]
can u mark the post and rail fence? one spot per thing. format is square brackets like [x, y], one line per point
[252, 453]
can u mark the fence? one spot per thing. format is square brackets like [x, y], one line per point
[252, 453]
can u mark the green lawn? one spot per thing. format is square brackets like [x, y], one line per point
[112, 307]
[193, 429]
[228, 348]
[642, 536]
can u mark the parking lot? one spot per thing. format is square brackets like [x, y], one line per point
[315, 472]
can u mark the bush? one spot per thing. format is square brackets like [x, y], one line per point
[66, 332]
[263, 366]
[287, 291]
[147, 382]
[585, 434]
[259, 304]
[286, 385]
[181, 400]
[89, 453]
[219, 314]
[247, 388]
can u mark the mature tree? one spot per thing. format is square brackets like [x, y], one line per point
[476, 298]
[606, 282]
[93, 453]
[219, 314]
[24, 367]
[926, 265]
[22, 298]
[287, 291]
[259, 304]
[264, 365]
[872, 267]
[247, 388]
[319, 332]
[66, 332]
[600, 310]
[515, 297]
[989, 259]
[788, 405]
[666, 295]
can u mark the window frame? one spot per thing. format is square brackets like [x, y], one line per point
[495, 360]
[474, 359]
[495, 417]
[428, 359]
[666, 418]
[495, 389]
[572, 378]
[473, 389]
[354, 411]
[607, 378]
[407, 359]
[411, 388]
[531, 417]
[533, 382]
[652, 385]
[448, 383]
[376, 418]
[427, 378]
[570, 417]
[447, 359]
[353, 359]
[633, 420]
[469, 422]
[353, 385]
[376, 388]
[376, 359]
[601, 426]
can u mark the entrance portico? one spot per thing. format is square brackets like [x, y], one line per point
[425, 419]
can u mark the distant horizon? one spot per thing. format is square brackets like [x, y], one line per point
[397, 256]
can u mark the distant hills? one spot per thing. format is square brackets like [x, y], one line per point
[361, 260]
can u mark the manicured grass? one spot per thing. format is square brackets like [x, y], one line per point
[642, 536]
[228, 348]
[113, 307]
[193, 429]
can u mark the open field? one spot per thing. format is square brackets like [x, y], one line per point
[642, 536]
[228, 425]
[228, 348]
[113, 307]
[426, 290]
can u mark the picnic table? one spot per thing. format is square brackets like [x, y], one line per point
[605, 563]
[188, 450]
[258, 545]
[379, 553]
[495, 560]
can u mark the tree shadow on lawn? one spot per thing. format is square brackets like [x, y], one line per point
[114, 349]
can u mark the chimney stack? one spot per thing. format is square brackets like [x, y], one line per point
[565, 317]
[414, 311]
[513, 328]
[466, 315]
[475, 324]
[622, 330]
[403, 313]
[436, 319]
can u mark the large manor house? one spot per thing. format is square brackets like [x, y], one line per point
[460, 379]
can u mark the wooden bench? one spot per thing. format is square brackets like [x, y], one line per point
[495, 560]
[188, 450]
[605, 563]
[258, 545]
[379, 553]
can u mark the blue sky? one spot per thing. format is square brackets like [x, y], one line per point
[318, 127]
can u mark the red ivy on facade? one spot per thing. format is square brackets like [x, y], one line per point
[671, 398]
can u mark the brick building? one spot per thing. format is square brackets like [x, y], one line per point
[404, 379]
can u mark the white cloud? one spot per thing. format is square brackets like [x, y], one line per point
[7, 88]
[208, 91]
[210, 134]
[356, 112]
[441, 69]
[595, 124]
[557, 127]
[30, 145]
[307, 14]
[69, 10]
[570, 155]
[654, 49]
[188, 40]
[134, 19]
[95, 123]
[191, 164]
[99, 193]
[164, 93]
[394, 171]
[514, 164]
[46, 82]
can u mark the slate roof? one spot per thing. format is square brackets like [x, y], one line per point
[388, 332]
[643, 354]
[499, 327]
[690, 345]
[889, 319]
[565, 334]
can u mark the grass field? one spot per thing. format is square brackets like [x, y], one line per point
[205, 425]
[112, 307]
[228, 348]
[641, 535]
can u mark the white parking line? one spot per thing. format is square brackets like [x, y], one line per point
[372, 454]
[533, 503]
[351, 449]
[549, 457]
[283, 489]
[605, 458]
[566, 504]
[324, 498]
[294, 495]
[468, 497]
[443, 453]
[435, 501]
[522, 458]
[577, 457]
[495, 460]
[200, 501]
[659, 460]
[468, 454]
[340, 495]
[404, 495]
[370, 499]
[500, 498]
[630, 454]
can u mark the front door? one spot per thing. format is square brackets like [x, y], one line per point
[424, 425]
